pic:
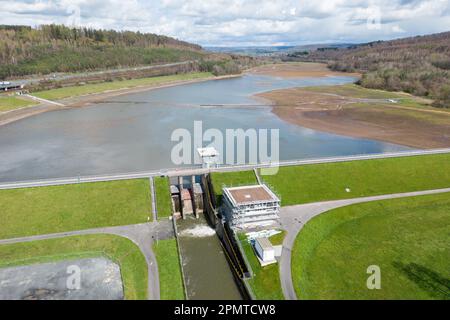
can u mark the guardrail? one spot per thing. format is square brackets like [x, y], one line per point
[186, 171]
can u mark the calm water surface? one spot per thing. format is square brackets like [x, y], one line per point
[132, 132]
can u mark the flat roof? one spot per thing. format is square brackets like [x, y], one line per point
[247, 194]
[264, 243]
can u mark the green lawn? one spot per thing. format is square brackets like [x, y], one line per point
[231, 179]
[407, 238]
[170, 278]
[278, 238]
[265, 282]
[125, 253]
[42, 210]
[320, 182]
[163, 200]
[8, 103]
[403, 100]
[61, 93]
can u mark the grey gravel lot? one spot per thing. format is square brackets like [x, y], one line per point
[100, 279]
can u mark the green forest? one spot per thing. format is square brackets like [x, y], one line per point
[418, 65]
[56, 48]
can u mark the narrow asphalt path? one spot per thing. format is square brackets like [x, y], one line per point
[143, 235]
[293, 218]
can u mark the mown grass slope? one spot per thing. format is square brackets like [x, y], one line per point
[163, 200]
[343, 180]
[33, 211]
[8, 103]
[407, 238]
[169, 267]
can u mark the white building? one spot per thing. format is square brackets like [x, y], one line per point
[209, 156]
[250, 206]
[265, 251]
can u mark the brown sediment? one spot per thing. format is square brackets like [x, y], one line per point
[88, 99]
[418, 128]
[22, 113]
[298, 70]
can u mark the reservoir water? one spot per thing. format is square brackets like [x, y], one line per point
[133, 132]
[206, 271]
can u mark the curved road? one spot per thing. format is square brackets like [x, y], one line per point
[142, 235]
[293, 218]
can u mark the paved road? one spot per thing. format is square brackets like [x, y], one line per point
[293, 218]
[223, 168]
[66, 76]
[143, 235]
[45, 101]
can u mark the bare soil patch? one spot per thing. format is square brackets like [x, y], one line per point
[298, 70]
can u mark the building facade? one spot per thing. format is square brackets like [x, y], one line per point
[250, 206]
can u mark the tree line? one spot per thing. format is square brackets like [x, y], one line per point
[57, 48]
[417, 65]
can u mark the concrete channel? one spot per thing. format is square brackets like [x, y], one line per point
[207, 265]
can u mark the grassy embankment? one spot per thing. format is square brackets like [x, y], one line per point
[122, 251]
[329, 181]
[407, 238]
[321, 182]
[163, 200]
[8, 103]
[169, 267]
[33, 211]
[66, 92]
[265, 282]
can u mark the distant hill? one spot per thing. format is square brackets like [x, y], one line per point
[418, 65]
[56, 48]
[252, 51]
[274, 51]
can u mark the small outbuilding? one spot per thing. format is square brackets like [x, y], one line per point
[265, 251]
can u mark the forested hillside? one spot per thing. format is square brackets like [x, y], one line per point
[418, 65]
[55, 48]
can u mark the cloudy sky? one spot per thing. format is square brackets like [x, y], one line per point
[243, 22]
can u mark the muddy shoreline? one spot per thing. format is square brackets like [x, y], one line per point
[372, 123]
[89, 99]
[284, 70]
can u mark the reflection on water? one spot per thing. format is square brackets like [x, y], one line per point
[206, 270]
[133, 132]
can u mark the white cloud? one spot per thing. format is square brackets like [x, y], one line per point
[242, 22]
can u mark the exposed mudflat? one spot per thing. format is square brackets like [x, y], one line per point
[376, 120]
[298, 70]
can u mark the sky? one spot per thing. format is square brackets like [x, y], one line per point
[243, 22]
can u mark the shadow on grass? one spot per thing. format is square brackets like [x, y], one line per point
[428, 280]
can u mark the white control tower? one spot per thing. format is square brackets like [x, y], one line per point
[210, 157]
